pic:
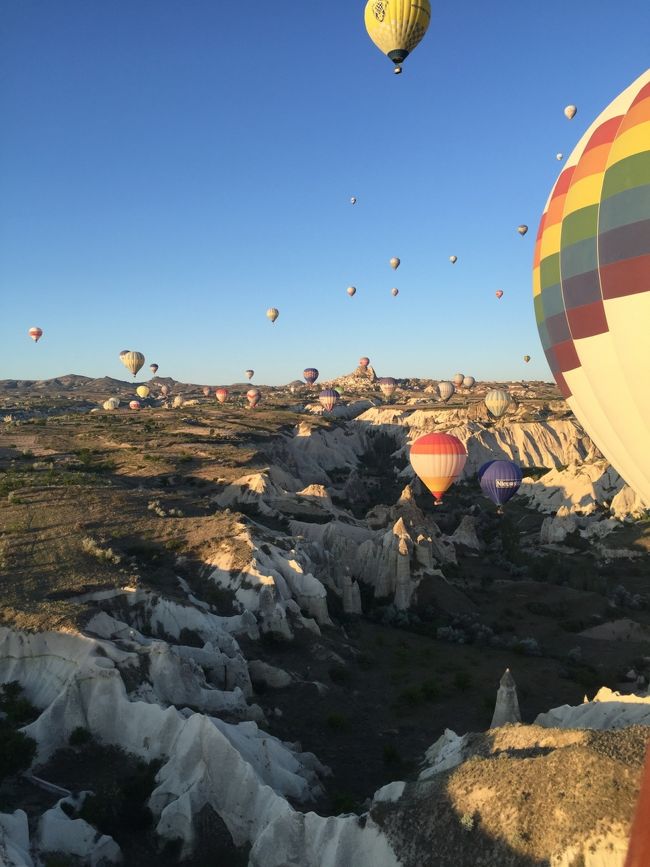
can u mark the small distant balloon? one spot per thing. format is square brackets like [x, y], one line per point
[522, 229]
[351, 290]
[500, 481]
[178, 401]
[559, 157]
[363, 361]
[310, 375]
[134, 404]
[497, 400]
[445, 390]
[328, 399]
[394, 263]
[457, 379]
[153, 368]
[253, 397]
[249, 374]
[394, 292]
[272, 313]
[526, 358]
[469, 382]
[453, 259]
[353, 200]
[570, 112]
[35, 333]
[499, 293]
[221, 394]
[111, 404]
[142, 391]
[387, 385]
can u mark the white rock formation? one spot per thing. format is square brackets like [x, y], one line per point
[57, 832]
[506, 709]
[607, 710]
[14, 840]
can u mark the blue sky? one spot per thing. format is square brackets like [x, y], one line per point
[168, 170]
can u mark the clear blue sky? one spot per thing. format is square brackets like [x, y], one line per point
[171, 168]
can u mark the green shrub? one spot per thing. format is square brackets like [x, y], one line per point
[17, 751]
[79, 737]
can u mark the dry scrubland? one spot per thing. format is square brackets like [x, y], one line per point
[110, 500]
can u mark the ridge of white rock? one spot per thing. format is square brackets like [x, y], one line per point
[14, 840]
[607, 710]
[57, 832]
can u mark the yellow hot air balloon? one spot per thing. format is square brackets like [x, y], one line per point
[272, 313]
[142, 391]
[570, 112]
[438, 459]
[394, 263]
[133, 361]
[497, 401]
[397, 26]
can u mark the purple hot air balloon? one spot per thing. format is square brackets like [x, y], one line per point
[500, 481]
[483, 468]
[387, 385]
[328, 399]
[310, 375]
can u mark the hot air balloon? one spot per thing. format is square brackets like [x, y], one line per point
[142, 391]
[500, 481]
[363, 361]
[153, 368]
[570, 112]
[164, 390]
[206, 390]
[123, 353]
[457, 379]
[497, 401]
[35, 333]
[445, 390]
[133, 361]
[111, 404]
[469, 382]
[483, 468]
[522, 229]
[499, 293]
[387, 385]
[453, 259]
[591, 283]
[253, 397]
[559, 157]
[310, 375]
[221, 394]
[394, 292]
[249, 374]
[328, 399]
[438, 459]
[134, 404]
[351, 290]
[272, 313]
[397, 26]
[178, 401]
[353, 200]
[526, 358]
[338, 390]
[394, 263]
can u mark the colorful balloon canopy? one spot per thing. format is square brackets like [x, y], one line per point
[522, 229]
[351, 290]
[526, 358]
[142, 391]
[397, 26]
[497, 401]
[363, 361]
[35, 333]
[249, 374]
[499, 293]
[438, 459]
[500, 481]
[328, 399]
[457, 379]
[394, 292]
[133, 361]
[469, 382]
[453, 259]
[387, 385]
[394, 263]
[253, 396]
[591, 283]
[570, 112]
[111, 404]
[221, 394]
[272, 313]
[310, 375]
[134, 404]
[153, 368]
[445, 390]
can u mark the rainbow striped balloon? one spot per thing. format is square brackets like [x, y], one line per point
[591, 283]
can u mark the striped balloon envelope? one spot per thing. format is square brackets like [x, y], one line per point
[497, 401]
[328, 399]
[591, 283]
[221, 394]
[438, 459]
[387, 385]
[445, 390]
[253, 396]
[310, 375]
